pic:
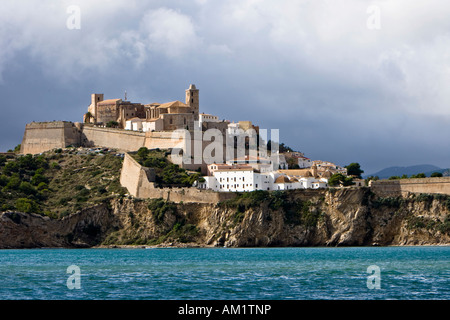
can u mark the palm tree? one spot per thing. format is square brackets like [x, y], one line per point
[87, 117]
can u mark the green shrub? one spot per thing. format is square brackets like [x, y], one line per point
[414, 222]
[102, 190]
[159, 207]
[10, 168]
[13, 183]
[3, 180]
[112, 124]
[310, 218]
[96, 172]
[436, 175]
[55, 166]
[444, 227]
[27, 188]
[389, 202]
[2, 160]
[142, 153]
[154, 162]
[38, 178]
[64, 201]
[278, 200]
[238, 216]
[27, 206]
[425, 197]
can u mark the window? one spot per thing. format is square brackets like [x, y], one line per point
[171, 121]
[184, 120]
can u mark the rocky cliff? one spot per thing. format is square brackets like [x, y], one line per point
[335, 217]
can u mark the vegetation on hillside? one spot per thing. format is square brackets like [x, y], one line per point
[354, 169]
[338, 179]
[167, 173]
[58, 182]
[416, 176]
[168, 225]
[296, 212]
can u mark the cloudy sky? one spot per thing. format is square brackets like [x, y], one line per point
[343, 80]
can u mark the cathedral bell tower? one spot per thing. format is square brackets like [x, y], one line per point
[192, 100]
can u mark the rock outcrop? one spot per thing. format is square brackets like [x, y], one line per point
[339, 217]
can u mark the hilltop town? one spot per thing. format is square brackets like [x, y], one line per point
[129, 126]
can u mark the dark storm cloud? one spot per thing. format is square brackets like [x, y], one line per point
[336, 89]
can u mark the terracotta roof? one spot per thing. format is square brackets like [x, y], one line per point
[296, 172]
[282, 179]
[237, 167]
[110, 101]
[327, 174]
[173, 104]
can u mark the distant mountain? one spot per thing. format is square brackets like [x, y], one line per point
[428, 169]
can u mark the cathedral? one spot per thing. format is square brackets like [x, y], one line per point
[150, 117]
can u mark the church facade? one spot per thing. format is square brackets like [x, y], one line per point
[168, 116]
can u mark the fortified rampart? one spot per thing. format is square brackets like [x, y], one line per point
[137, 180]
[43, 136]
[112, 138]
[404, 186]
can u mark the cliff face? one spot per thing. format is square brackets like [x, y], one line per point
[347, 217]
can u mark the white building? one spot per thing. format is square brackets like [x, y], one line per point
[203, 117]
[233, 129]
[231, 178]
[330, 166]
[134, 124]
[138, 124]
[304, 162]
[245, 178]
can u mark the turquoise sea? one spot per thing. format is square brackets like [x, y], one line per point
[227, 274]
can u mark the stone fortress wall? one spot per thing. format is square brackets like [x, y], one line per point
[139, 182]
[404, 186]
[44, 136]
